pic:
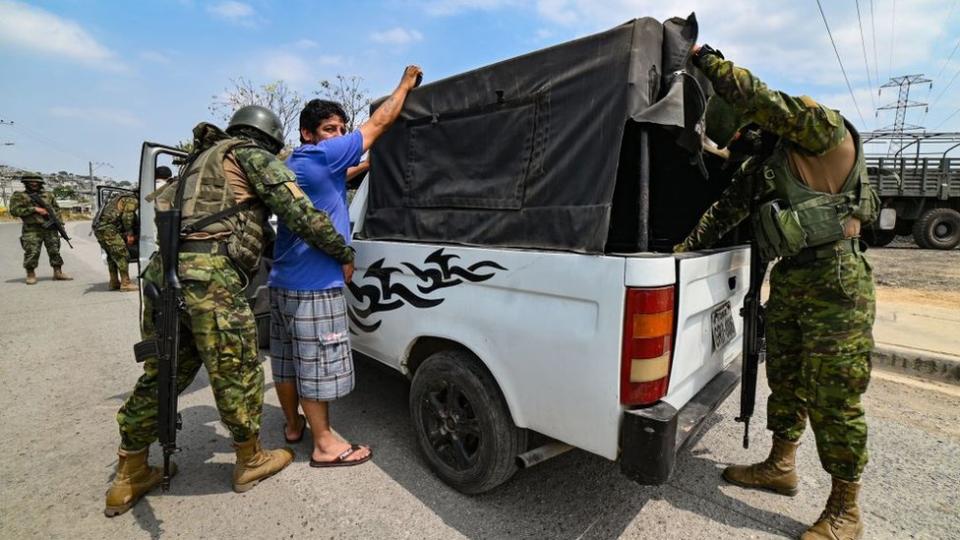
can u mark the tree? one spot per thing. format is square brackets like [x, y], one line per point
[276, 96]
[64, 192]
[347, 92]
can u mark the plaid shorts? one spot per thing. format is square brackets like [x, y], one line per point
[310, 342]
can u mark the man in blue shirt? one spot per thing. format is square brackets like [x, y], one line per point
[309, 331]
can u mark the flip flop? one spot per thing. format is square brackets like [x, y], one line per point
[340, 461]
[299, 437]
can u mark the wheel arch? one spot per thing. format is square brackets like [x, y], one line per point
[422, 347]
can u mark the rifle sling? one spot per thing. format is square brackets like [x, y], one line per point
[213, 218]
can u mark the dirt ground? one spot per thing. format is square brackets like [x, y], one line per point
[903, 272]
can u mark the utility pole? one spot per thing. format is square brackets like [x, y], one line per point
[903, 102]
[92, 166]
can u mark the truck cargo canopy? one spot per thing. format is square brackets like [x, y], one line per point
[524, 153]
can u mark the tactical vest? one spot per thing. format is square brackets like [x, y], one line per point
[109, 213]
[794, 217]
[209, 208]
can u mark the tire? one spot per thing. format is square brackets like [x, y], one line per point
[462, 423]
[878, 238]
[938, 228]
[263, 332]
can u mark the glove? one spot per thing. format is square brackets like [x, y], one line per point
[703, 51]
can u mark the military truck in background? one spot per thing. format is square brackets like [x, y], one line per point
[917, 176]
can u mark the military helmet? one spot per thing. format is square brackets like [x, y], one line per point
[162, 173]
[31, 177]
[260, 118]
[723, 121]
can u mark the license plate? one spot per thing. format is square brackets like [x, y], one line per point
[722, 322]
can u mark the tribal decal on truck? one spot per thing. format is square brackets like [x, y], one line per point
[437, 272]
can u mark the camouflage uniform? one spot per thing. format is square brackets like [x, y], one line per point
[820, 311]
[218, 329]
[34, 235]
[117, 220]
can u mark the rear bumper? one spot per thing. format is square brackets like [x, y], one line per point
[651, 437]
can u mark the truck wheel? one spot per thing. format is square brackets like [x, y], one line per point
[263, 332]
[938, 228]
[462, 423]
[878, 238]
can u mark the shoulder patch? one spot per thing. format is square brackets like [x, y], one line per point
[809, 102]
[295, 190]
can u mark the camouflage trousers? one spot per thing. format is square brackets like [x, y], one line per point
[819, 339]
[112, 242]
[35, 236]
[217, 331]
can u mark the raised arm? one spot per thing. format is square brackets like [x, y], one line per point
[276, 185]
[388, 111]
[801, 121]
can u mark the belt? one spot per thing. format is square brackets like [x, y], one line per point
[825, 251]
[210, 247]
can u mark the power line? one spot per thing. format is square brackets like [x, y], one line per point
[945, 88]
[839, 61]
[866, 64]
[893, 37]
[876, 60]
[954, 113]
[947, 61]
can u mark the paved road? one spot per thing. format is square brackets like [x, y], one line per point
[66, 367]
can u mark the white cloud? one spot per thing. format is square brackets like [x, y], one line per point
[34, 29]
[232, 11]
[454, 7]
[118, 117]
[396, 36]
[306, 44]
[292, 68]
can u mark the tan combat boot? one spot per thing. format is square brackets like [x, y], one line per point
[58, 274]
[125, 284]
[841, 518]
[133, 480]
[778, 473]
[31, 277]
[254, 463]
[114, 280]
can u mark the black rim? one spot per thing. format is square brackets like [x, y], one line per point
[452, 428]
[943, 230]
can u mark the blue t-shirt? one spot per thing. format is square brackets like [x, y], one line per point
[321, 171]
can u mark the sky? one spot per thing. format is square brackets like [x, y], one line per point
[88, 81]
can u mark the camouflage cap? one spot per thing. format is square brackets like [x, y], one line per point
[31, 177]
[723, 121]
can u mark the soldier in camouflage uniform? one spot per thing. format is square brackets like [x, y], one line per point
[34, 234]
[236, 171]
[821, 308]
[116, 229]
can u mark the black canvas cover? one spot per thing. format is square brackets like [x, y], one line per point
[525, 152]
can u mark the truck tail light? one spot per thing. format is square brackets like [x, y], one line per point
[647, 338]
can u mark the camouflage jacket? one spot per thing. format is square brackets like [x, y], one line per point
[23, 207]
[801, 123]
[120, 215]
[275, 185]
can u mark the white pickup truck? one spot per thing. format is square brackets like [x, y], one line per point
[621, 355]
[514, 259]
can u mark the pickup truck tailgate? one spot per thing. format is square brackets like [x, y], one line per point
[710, 290]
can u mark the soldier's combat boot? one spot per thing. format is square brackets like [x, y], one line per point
[31, 277]
[840, 520]
[133, 480]
[114, 280]
[58, 274]
[254, 463]
[125, 284]
[778, 473]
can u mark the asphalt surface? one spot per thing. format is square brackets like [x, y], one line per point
[67, 365]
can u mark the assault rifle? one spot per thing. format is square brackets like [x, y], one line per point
[754, 340]
[167, 305]
[53, 220]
